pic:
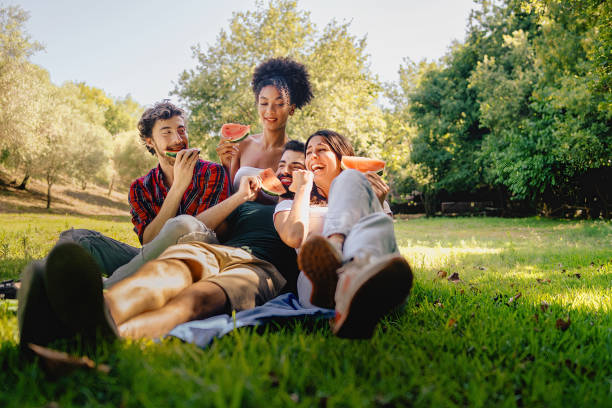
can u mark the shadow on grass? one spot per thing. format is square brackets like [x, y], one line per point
[97, 200]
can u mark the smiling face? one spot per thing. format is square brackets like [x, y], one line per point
[168, 135]
[290, 161]
[322, 161]
[274, 108]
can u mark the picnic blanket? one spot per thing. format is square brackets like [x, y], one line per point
[281, 308]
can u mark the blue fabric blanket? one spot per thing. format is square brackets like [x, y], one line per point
[202, 332]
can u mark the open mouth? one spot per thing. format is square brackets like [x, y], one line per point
[316, 168]
[286, 180]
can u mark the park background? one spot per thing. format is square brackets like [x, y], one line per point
[516, 112]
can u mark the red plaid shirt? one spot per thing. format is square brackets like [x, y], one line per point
[209, 186]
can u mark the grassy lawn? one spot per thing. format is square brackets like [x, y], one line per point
[494, 337]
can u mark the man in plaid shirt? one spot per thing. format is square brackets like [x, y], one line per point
[165, 202]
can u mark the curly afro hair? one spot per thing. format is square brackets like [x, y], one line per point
[288, 76]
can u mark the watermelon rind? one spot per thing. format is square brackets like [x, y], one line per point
[240, 139]
[171, 154]
[268, 192]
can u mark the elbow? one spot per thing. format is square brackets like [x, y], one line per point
[295, 238]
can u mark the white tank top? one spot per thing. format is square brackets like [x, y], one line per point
[244, 171]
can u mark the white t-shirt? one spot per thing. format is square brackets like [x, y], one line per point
[316, 216]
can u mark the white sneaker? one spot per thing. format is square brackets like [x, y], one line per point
[366, 291]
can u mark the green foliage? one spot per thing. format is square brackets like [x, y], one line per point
[521, 106]
[130, 158]
[219, 91]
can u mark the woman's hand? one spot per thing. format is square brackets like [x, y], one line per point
[249, 187]
[226, 152]
[301, 178]
[381, 189]
[183, 167]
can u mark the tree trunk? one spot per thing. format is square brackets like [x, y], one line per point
[24, 182]
[48, 192]
[110, 186]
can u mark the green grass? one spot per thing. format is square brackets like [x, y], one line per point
[453, 344]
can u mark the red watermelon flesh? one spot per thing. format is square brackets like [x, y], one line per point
[362, 164]
[270, 184]
[235, 132]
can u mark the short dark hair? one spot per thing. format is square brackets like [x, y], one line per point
[160, 111]
[339, 144]
[295, 145]
[288, 76]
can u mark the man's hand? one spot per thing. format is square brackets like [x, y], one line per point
[249, 187]
[301, 178]
[183, 167]
[226, 152]
[381, 189]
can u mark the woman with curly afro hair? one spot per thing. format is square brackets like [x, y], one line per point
[280, 86]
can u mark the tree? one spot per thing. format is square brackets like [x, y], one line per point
[20, 86]
[218, 90]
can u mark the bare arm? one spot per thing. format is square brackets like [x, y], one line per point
[214, 216]
[183, 174]
[292, 226]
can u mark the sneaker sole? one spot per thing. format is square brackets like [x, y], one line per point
[36, 321]
[374, 299]
[319, 261]
[74, 286]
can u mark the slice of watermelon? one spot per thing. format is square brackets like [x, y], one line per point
[171, 154]
[235, 132]
[362, 164]
[270, 184]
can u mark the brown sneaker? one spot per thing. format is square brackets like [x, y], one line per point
[319, 260]
[367, 291]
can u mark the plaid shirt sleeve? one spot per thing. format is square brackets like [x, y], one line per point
[141, 207]
[214, 182]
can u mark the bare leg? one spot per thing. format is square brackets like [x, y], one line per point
[200, 300]
[150, 288]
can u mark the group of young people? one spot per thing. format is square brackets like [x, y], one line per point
[213, 242]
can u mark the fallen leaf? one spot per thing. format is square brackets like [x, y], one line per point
[454, 278]
[544, 306]
[512, 299]
[541, 281]
[451, 323]
[563, 324]
[482, 268]
[462, 292]
[442, 274]
[58, 363]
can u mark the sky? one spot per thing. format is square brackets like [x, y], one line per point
[140, 47]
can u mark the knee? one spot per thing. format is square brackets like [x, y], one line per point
[352, 177]
[181, 225]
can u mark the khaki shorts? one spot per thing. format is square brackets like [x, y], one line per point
[246, 280]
